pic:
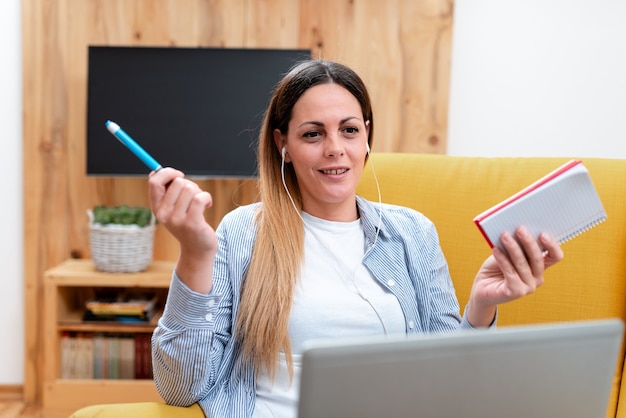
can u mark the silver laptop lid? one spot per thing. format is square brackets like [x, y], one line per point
[550, 370]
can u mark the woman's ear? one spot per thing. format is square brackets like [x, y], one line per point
[281, 141]
[367, 136]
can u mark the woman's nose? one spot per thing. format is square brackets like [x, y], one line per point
[333, 146]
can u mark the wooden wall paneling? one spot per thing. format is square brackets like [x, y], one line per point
[45, 180]
[426, 28]
[400, 47]
[159, 22]
[272, 24]
[83, 192]
[221, 23]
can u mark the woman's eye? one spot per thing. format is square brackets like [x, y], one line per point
[311, 134]
[351, 130]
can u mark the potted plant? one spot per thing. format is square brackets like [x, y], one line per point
[121, 238]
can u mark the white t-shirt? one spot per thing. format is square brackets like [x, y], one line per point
[335, 296]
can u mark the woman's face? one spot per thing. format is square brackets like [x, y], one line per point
[327, 145]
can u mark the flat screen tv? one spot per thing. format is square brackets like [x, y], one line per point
[196, 109]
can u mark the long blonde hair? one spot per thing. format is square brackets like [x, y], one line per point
[267, 295]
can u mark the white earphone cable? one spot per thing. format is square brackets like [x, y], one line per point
[380, 216]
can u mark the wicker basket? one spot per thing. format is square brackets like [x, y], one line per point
[121, 248]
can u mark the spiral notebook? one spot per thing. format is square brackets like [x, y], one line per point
[564, 203]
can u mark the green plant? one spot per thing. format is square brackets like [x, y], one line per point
[122, 215]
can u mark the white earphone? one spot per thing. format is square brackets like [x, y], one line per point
[283, 152]
[367, 147]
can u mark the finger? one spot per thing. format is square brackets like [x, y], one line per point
[553, 252]
[170, 201]
[517, 257]
[532, 250]
[200, 202]
[185, 196]
[503, 260]
[158, 182]
[527, 261]
[164, 176]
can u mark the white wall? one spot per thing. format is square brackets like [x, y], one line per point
[11, 218]
[538, 78]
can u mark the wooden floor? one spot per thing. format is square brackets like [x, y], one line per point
[17, 409]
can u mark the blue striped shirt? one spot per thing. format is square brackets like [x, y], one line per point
[195, 357]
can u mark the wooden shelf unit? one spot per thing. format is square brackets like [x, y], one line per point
[66, 288]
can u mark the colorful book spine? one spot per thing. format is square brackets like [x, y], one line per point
[106, 356]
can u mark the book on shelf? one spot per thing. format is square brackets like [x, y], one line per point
[106, 356]
[126, 307]
[76, 356]
[564, 203]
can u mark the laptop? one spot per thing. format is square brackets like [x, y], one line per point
[548, 370]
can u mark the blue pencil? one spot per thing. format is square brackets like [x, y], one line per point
[130, 143]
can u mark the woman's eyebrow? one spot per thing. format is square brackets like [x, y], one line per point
[312, 122]
[321, 124]
[346, 119]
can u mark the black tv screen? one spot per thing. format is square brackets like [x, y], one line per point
[196, 109]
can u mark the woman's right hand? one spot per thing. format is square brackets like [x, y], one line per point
[179, 205]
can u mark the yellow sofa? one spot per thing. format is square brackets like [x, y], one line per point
[590, 283]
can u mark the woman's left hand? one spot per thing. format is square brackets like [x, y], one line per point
[506, 276]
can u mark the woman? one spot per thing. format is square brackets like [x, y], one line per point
[312, 260]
